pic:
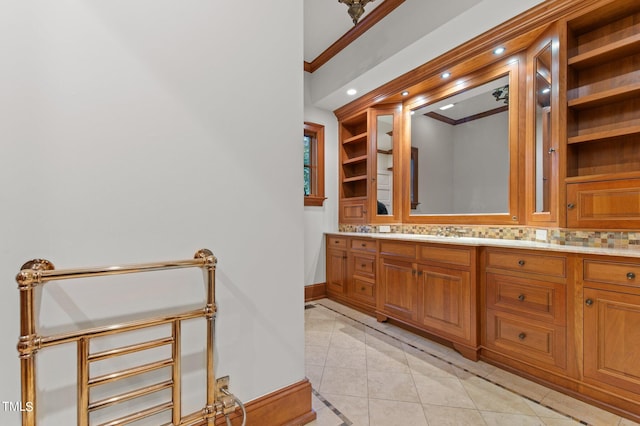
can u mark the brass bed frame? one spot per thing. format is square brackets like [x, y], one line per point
[218, 400]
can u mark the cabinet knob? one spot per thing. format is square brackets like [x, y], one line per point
[521, 262]
[631, 276]
[413, 272]
[588, 302]
[362, 288]
[362, 265]
[570, 206]
[551, 151]
[363, 244]
[521, 297]
[522, 336]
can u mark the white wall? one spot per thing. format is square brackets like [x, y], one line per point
[143, 130]
[318, 220]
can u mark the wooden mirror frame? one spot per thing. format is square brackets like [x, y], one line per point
[510, 66]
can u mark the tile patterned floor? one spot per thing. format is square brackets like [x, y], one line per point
[369, 373]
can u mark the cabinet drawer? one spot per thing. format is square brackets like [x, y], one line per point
[364, 290]
[336, 242]
[538, 300]
[612, 272]
[398, 249]
[364, 264]
[455, 256]
[535, 341]
[555, 266]
[363, 244]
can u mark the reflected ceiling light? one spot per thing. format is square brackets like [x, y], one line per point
[499, 51]
[546, 90]
[356, 8]
[351, 92]
[442, 108]
[405, 93]
[446, 74]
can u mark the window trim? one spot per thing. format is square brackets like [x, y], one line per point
[317, 131]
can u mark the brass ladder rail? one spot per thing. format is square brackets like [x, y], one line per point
[39, 271]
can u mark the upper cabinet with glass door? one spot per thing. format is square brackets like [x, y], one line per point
[462, 150]
[544, 151]
[384, 203]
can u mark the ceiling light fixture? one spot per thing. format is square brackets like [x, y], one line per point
[351, 92]
[499, 51]
[502, 94]
[356, 8]
[446, 107]
[446, 74]
[405, 93]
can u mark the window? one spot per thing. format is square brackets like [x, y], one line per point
[313, 164]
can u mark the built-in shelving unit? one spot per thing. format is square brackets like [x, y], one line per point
[354, 155]
[603, 115]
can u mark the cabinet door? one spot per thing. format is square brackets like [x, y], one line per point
[444, 300]
[336, 271]
[398, 294]
[612, 338]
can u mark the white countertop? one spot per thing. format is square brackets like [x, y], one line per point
[494, 242]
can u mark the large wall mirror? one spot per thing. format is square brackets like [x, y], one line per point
[464, 151]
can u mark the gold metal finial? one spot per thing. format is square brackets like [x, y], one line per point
[30, 272]
[207, 255]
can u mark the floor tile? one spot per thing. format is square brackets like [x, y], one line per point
[451, 416]
[344, 381]
[395, 413]
[368, 373]
[392, 386]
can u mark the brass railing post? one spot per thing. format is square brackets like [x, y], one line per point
[210, 265]
[28, 279]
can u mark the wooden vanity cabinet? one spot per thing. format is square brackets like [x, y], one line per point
[431, 287]
[351, 271]
[610, 311]
[525, 310]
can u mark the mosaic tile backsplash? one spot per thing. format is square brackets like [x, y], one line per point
[569, 237]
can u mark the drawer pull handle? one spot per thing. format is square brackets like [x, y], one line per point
[363, 244]
[521, 297]
[570, 206]
[362, 265]
[588, 302]
[522, 336]
[521, 262]
[336, 242]
[362, 288]
[631, 276]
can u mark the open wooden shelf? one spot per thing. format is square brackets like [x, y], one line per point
[354, 160]
[614, 50]
[357, 138]
[616, 94]
[600, 134]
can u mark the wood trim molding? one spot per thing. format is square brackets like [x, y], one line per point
[463, 120]
[315, 292]
[289, 406]
[531, 20]
[375, 16]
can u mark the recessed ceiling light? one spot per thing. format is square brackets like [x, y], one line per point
[351, 92]
[405, 93]
[446, 74]
[442, 108]
[499, 51]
